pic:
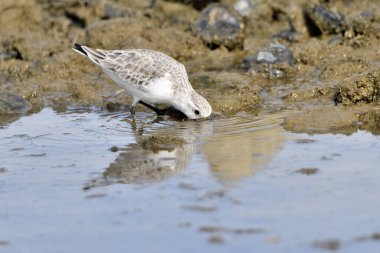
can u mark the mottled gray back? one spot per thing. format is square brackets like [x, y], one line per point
[139, 66]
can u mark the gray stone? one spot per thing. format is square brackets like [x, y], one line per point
[11, 103]
[277, 60]
[220, 25]
[321, 20]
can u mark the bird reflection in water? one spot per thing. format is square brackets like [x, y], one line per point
[234, 147]
[159, 152]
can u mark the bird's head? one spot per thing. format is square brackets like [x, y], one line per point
[195, 106]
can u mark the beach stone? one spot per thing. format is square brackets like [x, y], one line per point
[220, 25]
[276, 60]
[321, 20]
[11, 103]
[196, 4]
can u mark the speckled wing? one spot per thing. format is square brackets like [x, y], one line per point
[138, 67]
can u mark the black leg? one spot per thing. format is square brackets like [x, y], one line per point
[171, 111]
[159, 112]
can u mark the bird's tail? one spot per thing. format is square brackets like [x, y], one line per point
[93, 54]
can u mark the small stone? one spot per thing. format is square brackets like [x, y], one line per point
[277, 60]
[321, 20]
[220, 25]
[216, 239]
[289, 35]
[244, 7]
[308, 171]
[376, 236]
[197, 4]
[330, 244]
[8, 50]
[11, 103]
[114, 149]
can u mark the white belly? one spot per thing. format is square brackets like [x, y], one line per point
[159, 90]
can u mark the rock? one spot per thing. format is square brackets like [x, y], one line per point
[220, 25]
[359, 87]
[277, 60]
[11, 103]
[244, 7]
[289, 35]
[197, 4]
[8, 50]
[320, 20]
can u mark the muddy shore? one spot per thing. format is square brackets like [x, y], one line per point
[333, 85]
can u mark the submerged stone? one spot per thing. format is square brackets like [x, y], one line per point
[276, 60]
[11, 103]
[220, 25]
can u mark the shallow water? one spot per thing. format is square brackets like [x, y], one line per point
[94, 181]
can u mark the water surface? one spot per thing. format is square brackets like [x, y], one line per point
[94, 181]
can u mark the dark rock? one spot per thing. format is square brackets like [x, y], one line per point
[220, 25]
[308, 171]
[289, 35]
[8, 50]
[320, 20]
[277, 60]
[197, 4]
[10, 103]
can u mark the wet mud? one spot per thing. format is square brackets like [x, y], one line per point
[333, 46]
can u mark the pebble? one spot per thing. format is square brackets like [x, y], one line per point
[11, 103]
[220, 25]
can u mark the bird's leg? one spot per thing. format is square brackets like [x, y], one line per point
[133, 106]
[133, 109]
[160, 112]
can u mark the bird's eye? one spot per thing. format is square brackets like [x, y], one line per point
[196, 112]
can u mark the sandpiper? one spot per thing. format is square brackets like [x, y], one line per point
[150, 77]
